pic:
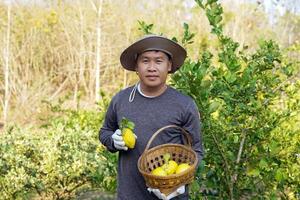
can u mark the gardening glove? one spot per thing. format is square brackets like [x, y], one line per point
[162, 196]
[118, 140]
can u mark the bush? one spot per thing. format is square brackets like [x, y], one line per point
[58, 160]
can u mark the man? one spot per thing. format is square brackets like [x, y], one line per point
[151, 104]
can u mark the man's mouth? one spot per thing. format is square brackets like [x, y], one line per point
[151, 77]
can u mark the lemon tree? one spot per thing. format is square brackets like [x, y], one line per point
[249, 107]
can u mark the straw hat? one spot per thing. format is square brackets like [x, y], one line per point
[153, 42]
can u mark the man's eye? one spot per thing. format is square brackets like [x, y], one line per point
[158, 61]
[144, 61]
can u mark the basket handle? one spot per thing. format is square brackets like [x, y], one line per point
[186, 135]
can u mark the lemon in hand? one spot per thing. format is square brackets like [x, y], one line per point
[182, 167]
[127, 127]
[159, 171]
[128, 138]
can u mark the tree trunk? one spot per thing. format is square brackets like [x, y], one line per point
[98, 51]
[82, 51]
[6, 66]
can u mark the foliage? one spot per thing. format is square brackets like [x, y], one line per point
[146, 28]
[57, 161]
[245, 128]
[249, 102]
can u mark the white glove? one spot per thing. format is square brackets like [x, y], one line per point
[162, 196]
[118, 140]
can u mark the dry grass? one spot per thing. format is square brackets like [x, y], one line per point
[53, 48]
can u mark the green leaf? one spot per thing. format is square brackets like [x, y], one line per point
[187, 36]
[279, 175]
[174, 39]
[167, 157]
[263, 164]
[205, 84]
[218, 19]
[126, 123]
[253, 172]
[185, 26]
[202, 165]
[213, 106]
[200, 3]
[146, 28]
[230, 77]
[274, 147]
[235, 139]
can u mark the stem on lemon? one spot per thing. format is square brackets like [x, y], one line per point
[167, 157]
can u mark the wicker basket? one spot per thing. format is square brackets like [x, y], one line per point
[152, 158]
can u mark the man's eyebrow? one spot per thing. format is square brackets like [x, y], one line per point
[155, 57]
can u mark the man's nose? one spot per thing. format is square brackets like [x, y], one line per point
[152, 66]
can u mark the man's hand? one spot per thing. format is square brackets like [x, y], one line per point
[162, 196]
[118, 140]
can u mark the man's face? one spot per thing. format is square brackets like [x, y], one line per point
[153, 68]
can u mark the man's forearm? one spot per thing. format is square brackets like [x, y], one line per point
[106, 140]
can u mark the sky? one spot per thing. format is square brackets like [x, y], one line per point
[279, 6]
[272, 7]
[276, 8]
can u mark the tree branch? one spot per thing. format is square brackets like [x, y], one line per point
[229, 183]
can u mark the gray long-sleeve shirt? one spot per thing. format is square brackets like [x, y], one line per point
[149, 115]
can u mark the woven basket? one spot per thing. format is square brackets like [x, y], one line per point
[152, 158]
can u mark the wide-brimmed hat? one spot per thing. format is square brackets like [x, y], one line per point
[153, 42]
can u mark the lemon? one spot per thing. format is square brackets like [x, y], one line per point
[159, 171]
[127, 127]
[128, 138]
[170, 167]
[182, 167]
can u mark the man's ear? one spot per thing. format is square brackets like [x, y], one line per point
[170, 66]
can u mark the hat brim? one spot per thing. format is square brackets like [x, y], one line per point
[129, 55]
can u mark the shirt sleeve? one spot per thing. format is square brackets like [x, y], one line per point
[192, 125]
[108, 128]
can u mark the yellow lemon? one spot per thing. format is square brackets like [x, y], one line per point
[128, 138]
[170, 167]
[159, 171]
[182, 167]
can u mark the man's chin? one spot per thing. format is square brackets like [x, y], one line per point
[152, 84]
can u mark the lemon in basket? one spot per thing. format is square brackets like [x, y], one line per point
[159, 171]
[170, 166]
[182, 167]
